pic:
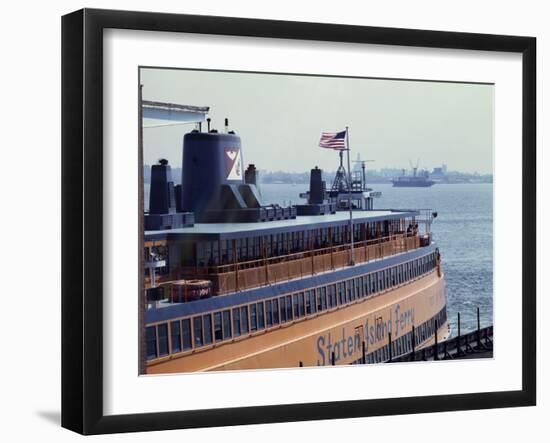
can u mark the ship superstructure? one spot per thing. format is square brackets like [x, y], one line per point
[239, 284]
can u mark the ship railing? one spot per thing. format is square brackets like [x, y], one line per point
[262, 272]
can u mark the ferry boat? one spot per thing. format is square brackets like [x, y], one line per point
[231, 283]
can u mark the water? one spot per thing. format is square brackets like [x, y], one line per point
[463, 231]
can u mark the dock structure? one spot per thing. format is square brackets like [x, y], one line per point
[475, 344]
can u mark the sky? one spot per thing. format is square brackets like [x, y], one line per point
[280, 119]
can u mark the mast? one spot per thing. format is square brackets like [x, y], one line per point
[352, 255]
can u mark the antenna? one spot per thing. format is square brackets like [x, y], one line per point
[364, 168]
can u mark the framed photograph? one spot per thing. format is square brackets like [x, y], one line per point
[269, 221]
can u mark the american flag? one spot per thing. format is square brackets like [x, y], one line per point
[333, 140]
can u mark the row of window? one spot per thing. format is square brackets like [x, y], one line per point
[206, 329]
[403, 344]
[221, 252]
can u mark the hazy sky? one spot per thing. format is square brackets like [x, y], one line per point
[280, 119]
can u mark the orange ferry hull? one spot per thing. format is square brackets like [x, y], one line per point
[335, 336]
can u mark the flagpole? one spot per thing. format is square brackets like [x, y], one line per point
[352, 255]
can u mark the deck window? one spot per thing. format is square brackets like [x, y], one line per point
[283, 309]
[236, 322]
[226, 324]
[317, 300]
[197, 331]
[186, 333]
[288, 306]
[276, 312]
[207, 320]
[253, 318]
[341, 293]
[295, 303]
[244, 319]
[175, 330]
[218, 330]
[261, 323]
[151, 340]
[309, 304]
[163, 339]
[268, 313]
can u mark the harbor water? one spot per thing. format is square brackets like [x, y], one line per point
[463, 230]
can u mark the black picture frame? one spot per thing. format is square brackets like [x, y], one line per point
[82, 215]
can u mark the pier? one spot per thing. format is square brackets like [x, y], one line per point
[475, 344]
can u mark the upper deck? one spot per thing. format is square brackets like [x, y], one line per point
[239, 256]
[223, 231]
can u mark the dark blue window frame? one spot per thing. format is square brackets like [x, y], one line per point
[151, 340]
[163, 339]
[236, 322]
[186, 334]
[218, 327]
[253, 318]
[244, 320]
[226, 324]
[261, 322]
[175, 331]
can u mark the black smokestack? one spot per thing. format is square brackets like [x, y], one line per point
[251, 175]
[160, 195]
[316, 188]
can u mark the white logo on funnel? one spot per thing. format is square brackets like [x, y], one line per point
[233, 163]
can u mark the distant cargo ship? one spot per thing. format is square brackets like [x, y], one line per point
[417, 180]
